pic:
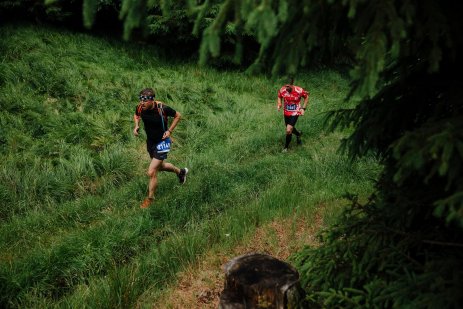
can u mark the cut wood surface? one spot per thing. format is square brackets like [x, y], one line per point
[260, 281]
[200, 285]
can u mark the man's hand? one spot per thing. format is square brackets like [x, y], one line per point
[166, 134]
[301, 111]
[278, 107]
[135, 131]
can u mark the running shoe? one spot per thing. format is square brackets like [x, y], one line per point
[146, 203]
[182, 175]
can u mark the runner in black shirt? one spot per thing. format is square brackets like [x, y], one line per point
[155, 119]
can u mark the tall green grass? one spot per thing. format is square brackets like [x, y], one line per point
[72, 175]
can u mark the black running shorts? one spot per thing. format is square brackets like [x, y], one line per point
[291, 120]
[151, 147]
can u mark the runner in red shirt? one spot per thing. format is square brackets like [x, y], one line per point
[291, 96]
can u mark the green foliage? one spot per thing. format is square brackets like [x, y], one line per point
[133, 11]
[54, 11]
[211, 35]
[89, 9]
[263, 20]
[42, 122]
[389, 252]
[309, 26]
[436, 162]
[405, 57]
[423, 146]
[372, 257]
[294, 34]
[73, 176]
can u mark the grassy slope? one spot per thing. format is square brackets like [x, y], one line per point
[72, 175]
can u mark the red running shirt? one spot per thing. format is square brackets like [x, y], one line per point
[292, 101]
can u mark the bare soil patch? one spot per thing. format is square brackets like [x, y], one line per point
[200, 285]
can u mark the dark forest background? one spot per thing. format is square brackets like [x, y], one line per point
[402, 248]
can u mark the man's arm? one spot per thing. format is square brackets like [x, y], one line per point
[136, 119]
[279, 103]
[306, 102]
[177, 118]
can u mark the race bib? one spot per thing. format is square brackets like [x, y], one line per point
[291, 107]
[164, 145]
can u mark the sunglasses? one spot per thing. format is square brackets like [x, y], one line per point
[145, 98]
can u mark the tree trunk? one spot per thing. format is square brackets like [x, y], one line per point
[260, 281]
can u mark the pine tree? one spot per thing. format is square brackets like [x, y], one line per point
[403, 248]
[388, 252]
[406, 64]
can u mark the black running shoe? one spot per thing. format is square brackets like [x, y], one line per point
[182, 175]
[298, 138]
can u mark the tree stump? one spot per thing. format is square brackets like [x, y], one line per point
[260, 281]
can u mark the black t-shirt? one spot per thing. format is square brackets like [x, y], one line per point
[153, 122]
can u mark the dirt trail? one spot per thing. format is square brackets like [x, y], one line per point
[200, 285]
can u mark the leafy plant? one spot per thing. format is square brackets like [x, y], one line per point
[73, 175]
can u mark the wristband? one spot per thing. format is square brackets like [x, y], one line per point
[303, 108]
